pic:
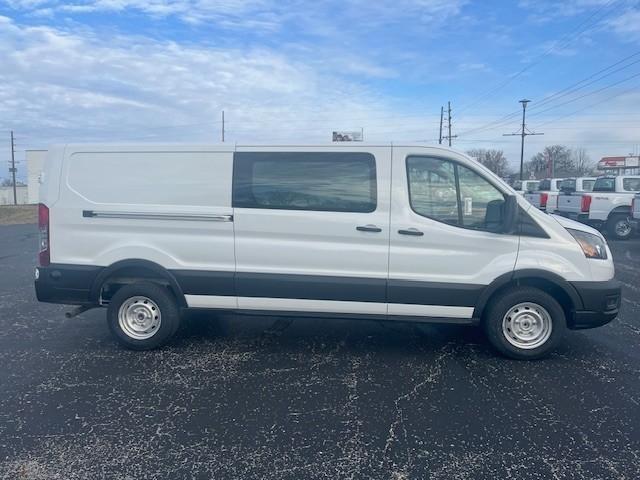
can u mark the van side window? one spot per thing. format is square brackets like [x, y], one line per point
[319, 181]
[453, 194]
[475, 195]
[432, 189]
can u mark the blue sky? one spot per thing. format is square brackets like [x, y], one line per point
[163, 70]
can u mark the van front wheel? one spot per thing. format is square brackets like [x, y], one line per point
[143, 316]
[524, 323]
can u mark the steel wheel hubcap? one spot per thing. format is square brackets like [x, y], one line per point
[527, 325]
[139, 318]
[623, 228]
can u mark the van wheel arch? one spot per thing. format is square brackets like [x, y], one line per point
[130, 271]
[548, 282]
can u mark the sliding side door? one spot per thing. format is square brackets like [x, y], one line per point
[312, 228]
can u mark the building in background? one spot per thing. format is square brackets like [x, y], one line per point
[6, 195]
[620, 165]
[35, 163]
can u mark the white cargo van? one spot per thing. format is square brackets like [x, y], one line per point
[391, 232]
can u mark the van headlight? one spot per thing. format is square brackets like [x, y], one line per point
[592, 245]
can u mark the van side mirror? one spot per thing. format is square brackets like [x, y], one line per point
[501, 216]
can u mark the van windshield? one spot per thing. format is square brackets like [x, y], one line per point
[568, 184]
[605, 184]
[545, 185]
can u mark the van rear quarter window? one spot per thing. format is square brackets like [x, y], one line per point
[331, 181]
[152, 178]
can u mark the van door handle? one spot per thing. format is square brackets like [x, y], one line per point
[368, 228]
[411, 231]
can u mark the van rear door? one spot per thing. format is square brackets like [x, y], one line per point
[312, 228]
[444, 245]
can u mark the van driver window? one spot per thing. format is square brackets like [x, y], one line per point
[432, 189]
[451, 193]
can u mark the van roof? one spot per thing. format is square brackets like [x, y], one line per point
[232, 146]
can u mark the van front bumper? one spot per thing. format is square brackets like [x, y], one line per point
[600, 301]
[65, 284]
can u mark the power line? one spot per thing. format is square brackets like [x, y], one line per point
[570, 89]
[587, 94]
[441, 117]
[13, 170]
[563, 41]
[449, 137]
[632, 89]
[222, 126]
[523, 133]
[562, 93]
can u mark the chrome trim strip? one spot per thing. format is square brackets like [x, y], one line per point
[201, 217]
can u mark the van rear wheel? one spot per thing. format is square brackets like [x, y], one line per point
[524, 323]
[143, 316]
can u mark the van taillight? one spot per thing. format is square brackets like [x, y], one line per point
[586, 203]
[43, 226]
[543, 199]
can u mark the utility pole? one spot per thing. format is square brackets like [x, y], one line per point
[449, 137]
[222, 126]
[13, 169]
[523, 133]
[441, 118]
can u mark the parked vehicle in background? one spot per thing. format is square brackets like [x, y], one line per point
[608, 206]
[402, 233]
[525, 186]
[546, 197]
[569, 200]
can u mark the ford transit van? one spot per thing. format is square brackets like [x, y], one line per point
[395, 232]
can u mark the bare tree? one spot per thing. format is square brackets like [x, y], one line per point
[494, 160]
[582, 163]
[554, 160]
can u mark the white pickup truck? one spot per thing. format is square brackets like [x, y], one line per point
[546, 197]
[609, 204]
[569, 202]
[525, 186]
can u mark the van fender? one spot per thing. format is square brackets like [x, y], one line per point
[141, 264]
[521, 277]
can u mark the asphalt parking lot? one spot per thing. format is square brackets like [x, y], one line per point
[256, 397]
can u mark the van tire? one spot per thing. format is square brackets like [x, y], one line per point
[153, 306]
[519, 315]
[619, 227]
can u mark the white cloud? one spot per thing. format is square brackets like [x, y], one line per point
[627, 26]
[267, 15]
[60, 85]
